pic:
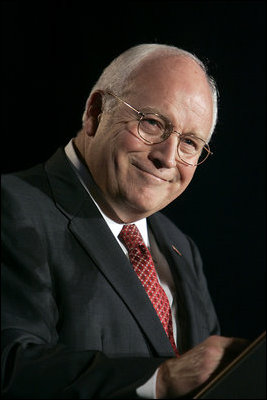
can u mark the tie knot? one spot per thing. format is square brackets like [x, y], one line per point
[131, 236]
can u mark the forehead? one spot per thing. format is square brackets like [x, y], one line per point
[176, 87]
[176, 69]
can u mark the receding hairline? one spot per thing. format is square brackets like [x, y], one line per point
[118, 73]
[133, 58]
[146, 65]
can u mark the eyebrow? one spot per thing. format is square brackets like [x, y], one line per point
[148, 110]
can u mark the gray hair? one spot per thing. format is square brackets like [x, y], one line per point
[116, 75]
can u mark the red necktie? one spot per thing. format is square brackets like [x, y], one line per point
[143, 265]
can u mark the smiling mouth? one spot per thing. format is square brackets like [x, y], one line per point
[159, 178]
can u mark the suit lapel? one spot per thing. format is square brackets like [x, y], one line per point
[94, 235]
[167, 244]
[191, 309]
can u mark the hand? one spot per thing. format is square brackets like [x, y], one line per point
[179, 376]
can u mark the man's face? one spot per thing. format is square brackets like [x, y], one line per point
[135, 178]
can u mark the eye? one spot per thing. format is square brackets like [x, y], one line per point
[189, 144]
[152, 125]
[152, 122]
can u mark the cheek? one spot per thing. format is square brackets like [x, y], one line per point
[110, 154]
[186, 173]
[129, 142]
[123, 147]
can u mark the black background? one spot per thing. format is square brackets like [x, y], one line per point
[53, 52]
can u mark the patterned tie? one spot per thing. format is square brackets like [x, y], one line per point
[143, 265]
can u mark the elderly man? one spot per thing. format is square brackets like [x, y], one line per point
[103, 296]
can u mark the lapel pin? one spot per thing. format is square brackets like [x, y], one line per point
[177, 251]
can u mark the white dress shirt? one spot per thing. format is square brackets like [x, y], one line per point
[148, 389]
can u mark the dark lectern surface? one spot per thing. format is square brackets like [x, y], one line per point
[243, 378]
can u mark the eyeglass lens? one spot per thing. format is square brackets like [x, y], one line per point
[153, 129]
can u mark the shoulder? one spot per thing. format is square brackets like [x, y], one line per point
[166, 231]
[29, 186]
[167, 227]
[165, 222]
[16, 180]
[24, 187]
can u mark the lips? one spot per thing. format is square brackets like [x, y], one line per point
[148, 171]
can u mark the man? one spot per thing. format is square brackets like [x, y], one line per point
[80, 319]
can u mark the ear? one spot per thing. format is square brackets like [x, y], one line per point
[93, 112]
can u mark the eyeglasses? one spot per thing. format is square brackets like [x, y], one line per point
[154, 128]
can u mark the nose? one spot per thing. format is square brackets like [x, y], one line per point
[164, 154]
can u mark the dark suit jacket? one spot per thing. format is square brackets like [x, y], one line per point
[77, 322]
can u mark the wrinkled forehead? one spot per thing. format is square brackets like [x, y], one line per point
[163, 69]
[167, 77]
[172, 84]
